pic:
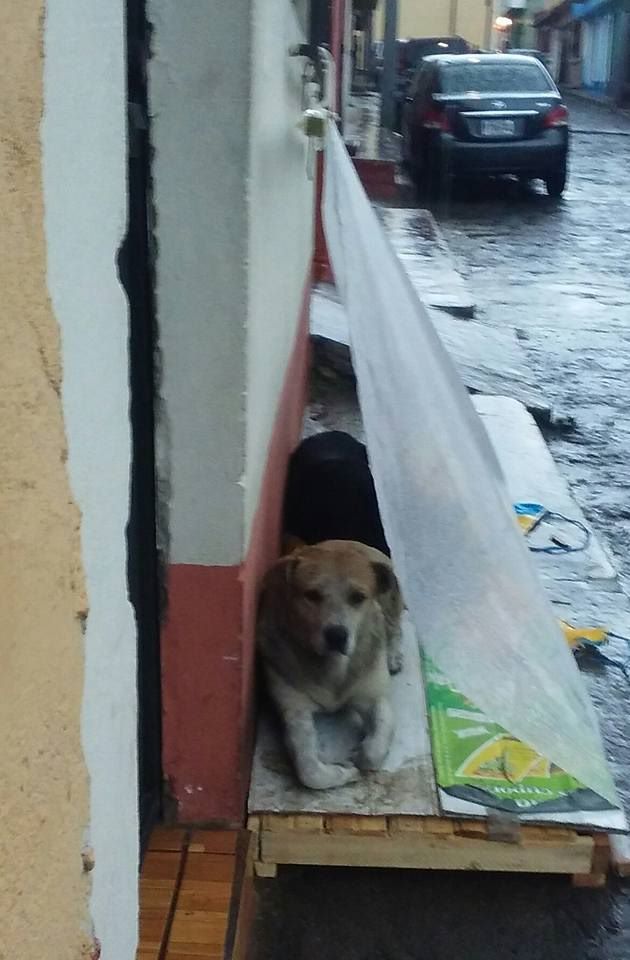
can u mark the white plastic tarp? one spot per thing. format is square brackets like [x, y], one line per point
[465, 570]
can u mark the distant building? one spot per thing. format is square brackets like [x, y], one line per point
[559, 35]
[589, 46]
[471, 19]
[598, 18]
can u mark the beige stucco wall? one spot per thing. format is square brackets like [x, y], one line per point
[438, 18]
[43, 779]
[68, 764]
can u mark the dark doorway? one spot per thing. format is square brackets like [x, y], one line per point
[136, 271]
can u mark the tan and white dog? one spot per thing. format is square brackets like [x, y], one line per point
[329, 635]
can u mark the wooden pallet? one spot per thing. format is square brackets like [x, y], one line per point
[196, 895]
[425, 843]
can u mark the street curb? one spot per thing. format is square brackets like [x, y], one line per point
[466, 311]
[378, 178]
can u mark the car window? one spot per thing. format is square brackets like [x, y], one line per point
[494, 78]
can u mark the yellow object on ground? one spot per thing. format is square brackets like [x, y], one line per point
[576, 636]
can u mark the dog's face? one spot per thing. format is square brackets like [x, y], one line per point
[332, 589]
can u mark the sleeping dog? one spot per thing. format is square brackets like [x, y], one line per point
[329, 635]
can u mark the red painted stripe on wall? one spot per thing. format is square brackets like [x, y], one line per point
[208, 637]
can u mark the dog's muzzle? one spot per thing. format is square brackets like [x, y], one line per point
[336, 638]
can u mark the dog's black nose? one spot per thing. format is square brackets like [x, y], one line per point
[337, 638]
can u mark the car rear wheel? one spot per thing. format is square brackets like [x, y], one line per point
[556, 181]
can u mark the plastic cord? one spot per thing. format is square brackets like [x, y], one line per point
[562, 547]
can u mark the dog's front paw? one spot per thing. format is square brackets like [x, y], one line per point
[324, 776]
[394, 661]
[372, 754]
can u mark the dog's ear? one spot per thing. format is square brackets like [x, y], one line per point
[385, 579]
[285, 568]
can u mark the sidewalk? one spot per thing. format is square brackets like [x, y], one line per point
[590, 114]
[363, 129]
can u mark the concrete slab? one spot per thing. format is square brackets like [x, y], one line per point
[405, 786]
[488, 360]
[425, 255]
[532, 475]
[491, 361]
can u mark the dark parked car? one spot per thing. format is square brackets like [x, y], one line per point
[485, 114]
[409, 54]
[538, 54]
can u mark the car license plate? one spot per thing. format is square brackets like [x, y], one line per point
[497, 128]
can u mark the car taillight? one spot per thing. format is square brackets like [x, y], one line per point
[557, 117]
[434, 119]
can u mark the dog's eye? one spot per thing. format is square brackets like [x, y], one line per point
[356, 598]
[313, 595]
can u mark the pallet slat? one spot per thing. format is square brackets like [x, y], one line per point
[344, 823]
[432, 843]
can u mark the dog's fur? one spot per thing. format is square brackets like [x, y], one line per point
[329, 635]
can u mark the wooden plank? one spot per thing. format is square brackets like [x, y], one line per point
[165, 839]
[212, 915]
[341, 823]
[530, 834]
[209, 867]
[589, 881]
[239, 940]
[474, 829]
[601, 853]
[197, 934]
[160, 865]
[426, 851]
[439, 826]
[406, 824]
[309, 823]
[620, 854]
[158, 889]
[156, 897]
[195, 951]
[213, 841]
[210, 895]
[277, 821]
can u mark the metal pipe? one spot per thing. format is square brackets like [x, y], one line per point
[487, 30]
[452, 26]
[389, 64]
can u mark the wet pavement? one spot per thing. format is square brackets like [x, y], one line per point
[558, 272]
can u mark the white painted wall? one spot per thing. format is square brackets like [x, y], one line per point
[84, 171]
[234, 210]
[200, 103]
[280, 226]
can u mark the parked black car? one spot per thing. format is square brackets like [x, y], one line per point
[537, 54]
[485, 114]
[410, 52]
